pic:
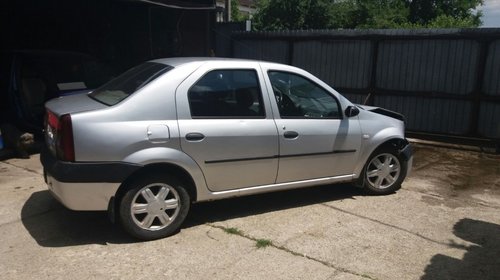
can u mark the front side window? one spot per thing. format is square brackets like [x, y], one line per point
[227, 94]
[298, 97]
[129, 82]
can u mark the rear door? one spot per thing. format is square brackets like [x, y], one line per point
[226, 125]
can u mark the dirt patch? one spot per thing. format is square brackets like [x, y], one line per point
[463, 175]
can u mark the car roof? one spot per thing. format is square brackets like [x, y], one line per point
[177, 61]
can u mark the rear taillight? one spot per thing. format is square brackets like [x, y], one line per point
[66, 139]
[59, 136]
[52, 120]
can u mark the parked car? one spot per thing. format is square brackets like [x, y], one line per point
[31, 77]
[174, 131]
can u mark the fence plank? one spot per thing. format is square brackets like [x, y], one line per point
[442, 80]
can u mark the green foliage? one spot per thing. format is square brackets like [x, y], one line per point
[444, 21]
[323, 14]
[233, 230]
[236, 15]
[292, 14]
[345, 14]
[381, 13]
[262, 243]
[425, 12]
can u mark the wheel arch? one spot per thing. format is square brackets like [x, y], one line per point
[394, 142]
[167, 160]
[160, 168]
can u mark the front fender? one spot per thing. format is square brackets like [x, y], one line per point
[374, 142]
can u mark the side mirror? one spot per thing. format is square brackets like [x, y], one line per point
[351, 111]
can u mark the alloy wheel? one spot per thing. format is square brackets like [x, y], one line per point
[155, 206]
[383, 171]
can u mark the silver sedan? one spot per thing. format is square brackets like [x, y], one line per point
[175, 131]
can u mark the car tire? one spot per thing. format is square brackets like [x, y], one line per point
[384, 171]
[154, 207]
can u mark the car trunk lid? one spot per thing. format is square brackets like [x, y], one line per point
[73, 104]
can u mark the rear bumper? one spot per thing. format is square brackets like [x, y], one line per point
[84, 186]
[82, 196]
[86, 172]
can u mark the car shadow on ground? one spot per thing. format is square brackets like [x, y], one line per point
[482, 259]
[52, 225]
[221, 210]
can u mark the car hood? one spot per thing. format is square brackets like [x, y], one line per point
[73, 104]
[382, 111]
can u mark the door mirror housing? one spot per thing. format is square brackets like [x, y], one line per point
[351, 111]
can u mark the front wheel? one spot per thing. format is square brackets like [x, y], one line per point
[154, 207]
[384, 172]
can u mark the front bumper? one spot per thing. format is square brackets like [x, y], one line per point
[407, 153]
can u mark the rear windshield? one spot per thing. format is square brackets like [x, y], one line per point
[129, 82]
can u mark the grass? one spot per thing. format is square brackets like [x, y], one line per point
[233, 230]
[263, 243]
[259, 243]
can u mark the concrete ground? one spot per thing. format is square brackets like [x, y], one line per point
[443, 224]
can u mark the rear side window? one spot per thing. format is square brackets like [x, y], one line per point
[227, 94]
[129, 82]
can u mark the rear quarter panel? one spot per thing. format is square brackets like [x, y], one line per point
[120, 133]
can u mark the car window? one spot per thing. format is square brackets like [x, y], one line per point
[298, 97]
[227, 94]
[129, 82]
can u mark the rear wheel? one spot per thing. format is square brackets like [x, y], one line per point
[154, 207]
[384, 172]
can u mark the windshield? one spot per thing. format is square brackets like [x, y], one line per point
[129, 82]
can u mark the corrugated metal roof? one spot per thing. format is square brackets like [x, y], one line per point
[178, 4]
[379, 33]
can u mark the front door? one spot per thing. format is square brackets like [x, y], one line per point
[315, 140]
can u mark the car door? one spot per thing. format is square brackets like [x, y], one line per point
[226, 126]
[315, 139]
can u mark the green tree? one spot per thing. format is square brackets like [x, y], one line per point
[435, 12]
[321, 14]
[381, 13]
[236, 15]
[292, 14]
[345, 14]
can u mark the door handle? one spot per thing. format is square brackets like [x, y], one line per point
[291, 134]
[194, 136]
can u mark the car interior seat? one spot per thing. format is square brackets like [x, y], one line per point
[244, 100]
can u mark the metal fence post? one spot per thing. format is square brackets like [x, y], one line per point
[477, 92]
[373, 77]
